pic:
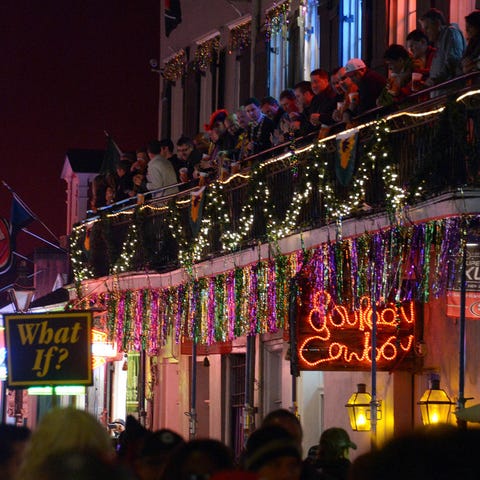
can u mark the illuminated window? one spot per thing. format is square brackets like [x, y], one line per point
[403, 19]
[311, 29]
[350, 30]
[278, 61]
[459, 10]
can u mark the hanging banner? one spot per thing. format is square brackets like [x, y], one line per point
[331, 337]
[49, 349]
[345, 156]
[196, 210]
[472, 290]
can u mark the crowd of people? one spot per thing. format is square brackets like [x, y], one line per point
[433, 54]
[71, 444]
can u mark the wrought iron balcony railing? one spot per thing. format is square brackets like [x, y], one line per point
[385, 162]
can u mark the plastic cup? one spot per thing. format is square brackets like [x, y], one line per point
[416, 79]
[353, 97]
[183, 174]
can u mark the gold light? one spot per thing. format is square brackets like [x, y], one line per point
[435, 404]
[359, 407]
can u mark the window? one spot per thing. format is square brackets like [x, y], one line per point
[311, 28]
[278, 63]
[459, 10]
[276, 30]
[350, 30]
[403, 19]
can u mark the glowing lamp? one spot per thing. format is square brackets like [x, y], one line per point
[435, 404]
[358, 407]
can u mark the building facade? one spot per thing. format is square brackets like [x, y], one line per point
[247, 316]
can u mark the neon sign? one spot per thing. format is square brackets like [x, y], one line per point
[330, 337]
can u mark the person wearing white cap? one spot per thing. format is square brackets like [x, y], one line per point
[369, 82]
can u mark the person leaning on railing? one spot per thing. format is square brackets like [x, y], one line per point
[422, 52]
[260, 128]
[449, 43]
[400, 66]
[160, 171]
[471, 58]
[369, 83]
[188, 162]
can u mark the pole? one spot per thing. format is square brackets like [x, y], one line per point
[373, 403]
[461, 369]
[54, 397]
[248, 413]
[43, 240]
[294, 396]
[28, 209]
[193, 400]
[4, 401]
[141, 388]
[292, 320]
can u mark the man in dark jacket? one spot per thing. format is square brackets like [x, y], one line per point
[369, 83]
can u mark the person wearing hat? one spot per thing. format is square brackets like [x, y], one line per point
[369, 83]
[332, 454]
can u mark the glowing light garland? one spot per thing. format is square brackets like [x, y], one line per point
[376, 154]
[411, 261]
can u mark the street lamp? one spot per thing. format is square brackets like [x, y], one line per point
[359, 407]
[435, 404]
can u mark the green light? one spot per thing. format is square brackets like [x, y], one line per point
[59, 390]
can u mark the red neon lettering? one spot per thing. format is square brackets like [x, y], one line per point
[327, 320]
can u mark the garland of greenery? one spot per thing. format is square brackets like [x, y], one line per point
[375, 155]
[80, 265]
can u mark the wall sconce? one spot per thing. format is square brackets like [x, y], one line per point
[359, 407]
[435, 404]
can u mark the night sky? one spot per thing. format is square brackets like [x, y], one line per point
[69, 70]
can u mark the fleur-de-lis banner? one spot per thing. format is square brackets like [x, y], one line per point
[345, 158]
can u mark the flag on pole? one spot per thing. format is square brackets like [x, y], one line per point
[173, 15]
[111, 157]
[20, 217]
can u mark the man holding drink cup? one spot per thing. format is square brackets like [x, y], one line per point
[369, 83]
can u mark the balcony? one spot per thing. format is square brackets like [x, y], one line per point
[406, 160]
